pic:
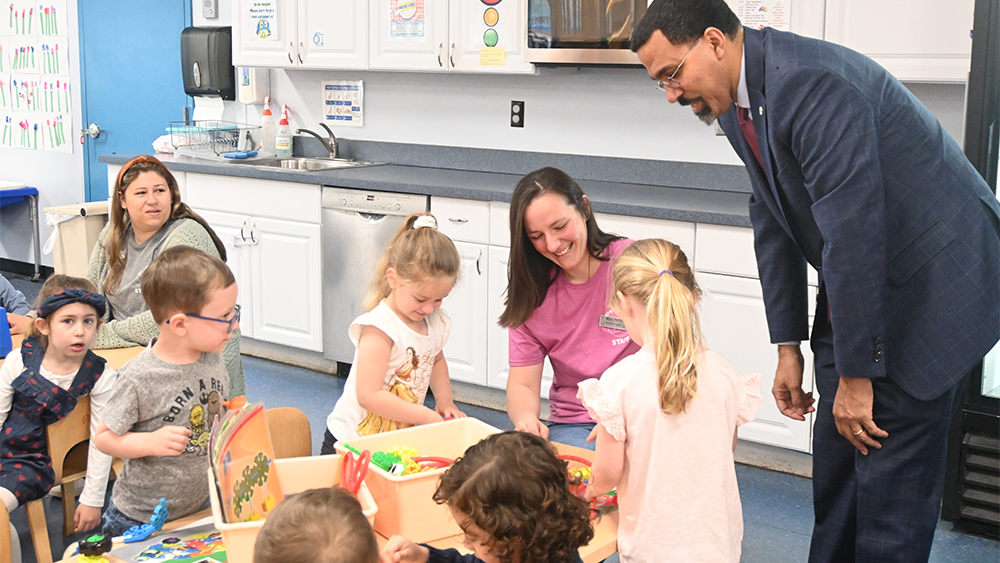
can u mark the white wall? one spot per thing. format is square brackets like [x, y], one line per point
[58, 176]
[603, 111]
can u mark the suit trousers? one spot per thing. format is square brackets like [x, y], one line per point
[883, 507]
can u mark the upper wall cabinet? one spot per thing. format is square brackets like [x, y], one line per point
[457, 36]
[322, 34]
[913, 42]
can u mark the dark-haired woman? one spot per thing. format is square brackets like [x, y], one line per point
[557, 304]
[147, 217]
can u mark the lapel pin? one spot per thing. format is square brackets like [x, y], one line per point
[760, 110]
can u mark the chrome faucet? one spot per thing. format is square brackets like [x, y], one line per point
[330, 143]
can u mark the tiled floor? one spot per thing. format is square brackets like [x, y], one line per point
[777, 507]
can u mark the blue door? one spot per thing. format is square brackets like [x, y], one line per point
[130, 63]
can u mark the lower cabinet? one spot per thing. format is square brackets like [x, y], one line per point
[466, 350]
[734, 324]
[277, 267]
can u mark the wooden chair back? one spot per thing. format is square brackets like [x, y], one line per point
[291, 435]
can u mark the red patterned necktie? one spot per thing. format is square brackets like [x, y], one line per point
[747, 126]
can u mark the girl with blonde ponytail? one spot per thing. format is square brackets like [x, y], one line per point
[400, 338]
[668, 414]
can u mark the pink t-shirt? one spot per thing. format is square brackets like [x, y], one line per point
[565, 327]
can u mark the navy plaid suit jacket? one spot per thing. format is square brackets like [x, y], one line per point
[860, 180]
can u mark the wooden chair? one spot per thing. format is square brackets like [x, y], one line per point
[290, 432]
[68, 443]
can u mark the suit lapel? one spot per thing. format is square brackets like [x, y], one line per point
[754, 53]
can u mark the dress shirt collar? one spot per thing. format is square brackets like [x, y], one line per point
[742, 94]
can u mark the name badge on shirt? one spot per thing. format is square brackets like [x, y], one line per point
[615, 323]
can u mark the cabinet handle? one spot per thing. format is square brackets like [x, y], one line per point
[242, 228]
[478, 258]
[253, 239]
[301, 47]
[451, 55]
[440, 48]
[291, 47]
[457, 220]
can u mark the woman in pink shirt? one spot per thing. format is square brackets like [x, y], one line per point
[557, 304]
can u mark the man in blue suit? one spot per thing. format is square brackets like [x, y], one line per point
[852, 175]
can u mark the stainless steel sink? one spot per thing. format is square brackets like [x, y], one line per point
[308, 164]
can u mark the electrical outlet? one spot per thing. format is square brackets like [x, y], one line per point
[516, 114]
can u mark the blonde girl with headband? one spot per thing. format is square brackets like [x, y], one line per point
[399, 340]
[40, 384]
[667, 418]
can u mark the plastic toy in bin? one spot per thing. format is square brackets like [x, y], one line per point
[139, 533]
[404, 461]
[93, 548]
[599, 506]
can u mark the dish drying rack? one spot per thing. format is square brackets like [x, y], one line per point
[210, 139]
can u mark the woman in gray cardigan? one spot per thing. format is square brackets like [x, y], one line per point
[147, 217]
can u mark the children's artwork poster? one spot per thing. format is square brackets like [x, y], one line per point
[406, 18]
[343, 102]
[35, 92]
[200, 543]
[57, 132]
[759, 14]
[262, 20]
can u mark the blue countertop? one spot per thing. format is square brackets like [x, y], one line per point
[724, 203]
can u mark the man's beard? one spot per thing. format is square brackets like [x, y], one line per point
[705, 114]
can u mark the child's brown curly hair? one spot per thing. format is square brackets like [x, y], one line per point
[514, 487]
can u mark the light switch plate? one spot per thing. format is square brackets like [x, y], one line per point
[210, 9]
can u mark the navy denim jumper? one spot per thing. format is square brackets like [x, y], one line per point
[25, 467]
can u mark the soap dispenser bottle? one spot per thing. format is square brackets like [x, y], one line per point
[267, 131]
[283, 137]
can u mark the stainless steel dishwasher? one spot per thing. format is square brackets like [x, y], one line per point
[357, 226]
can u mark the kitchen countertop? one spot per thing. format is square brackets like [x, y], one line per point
[715, 206]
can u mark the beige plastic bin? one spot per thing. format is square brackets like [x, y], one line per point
[77, 236]
[405, 504]
[295, 475]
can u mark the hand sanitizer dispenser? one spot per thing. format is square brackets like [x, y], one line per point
[251, 85]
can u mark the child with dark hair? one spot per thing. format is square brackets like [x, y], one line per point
[510, 495]
[40, 384]
[317, 526]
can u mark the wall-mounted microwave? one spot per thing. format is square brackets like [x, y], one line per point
[583, 31]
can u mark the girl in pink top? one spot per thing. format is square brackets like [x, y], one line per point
[667, 419]
[557, 304]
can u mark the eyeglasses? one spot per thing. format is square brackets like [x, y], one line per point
[229, 322]
[670, 81]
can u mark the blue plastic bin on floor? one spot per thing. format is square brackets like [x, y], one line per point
[12, 193]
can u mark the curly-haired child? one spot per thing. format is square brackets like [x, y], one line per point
[510, 495]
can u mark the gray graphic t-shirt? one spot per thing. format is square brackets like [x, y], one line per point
[149, 395]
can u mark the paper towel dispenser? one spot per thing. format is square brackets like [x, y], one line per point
[207, 62]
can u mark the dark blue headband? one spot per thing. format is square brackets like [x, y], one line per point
[67, 296]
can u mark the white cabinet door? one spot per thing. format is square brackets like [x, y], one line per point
[734, 324]
[234, 231]
[332, 34]
[677, 232]
[467, 307]
[408, 35]
[915, 41]
[287, 283]
[486, 38]
[498, 368]
[264, 33]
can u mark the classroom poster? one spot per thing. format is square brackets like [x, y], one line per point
[343, 102]
[35, 91]
[406, 18]
[262, 20]
[759, 14]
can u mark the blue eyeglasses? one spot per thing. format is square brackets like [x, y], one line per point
[230, 323]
